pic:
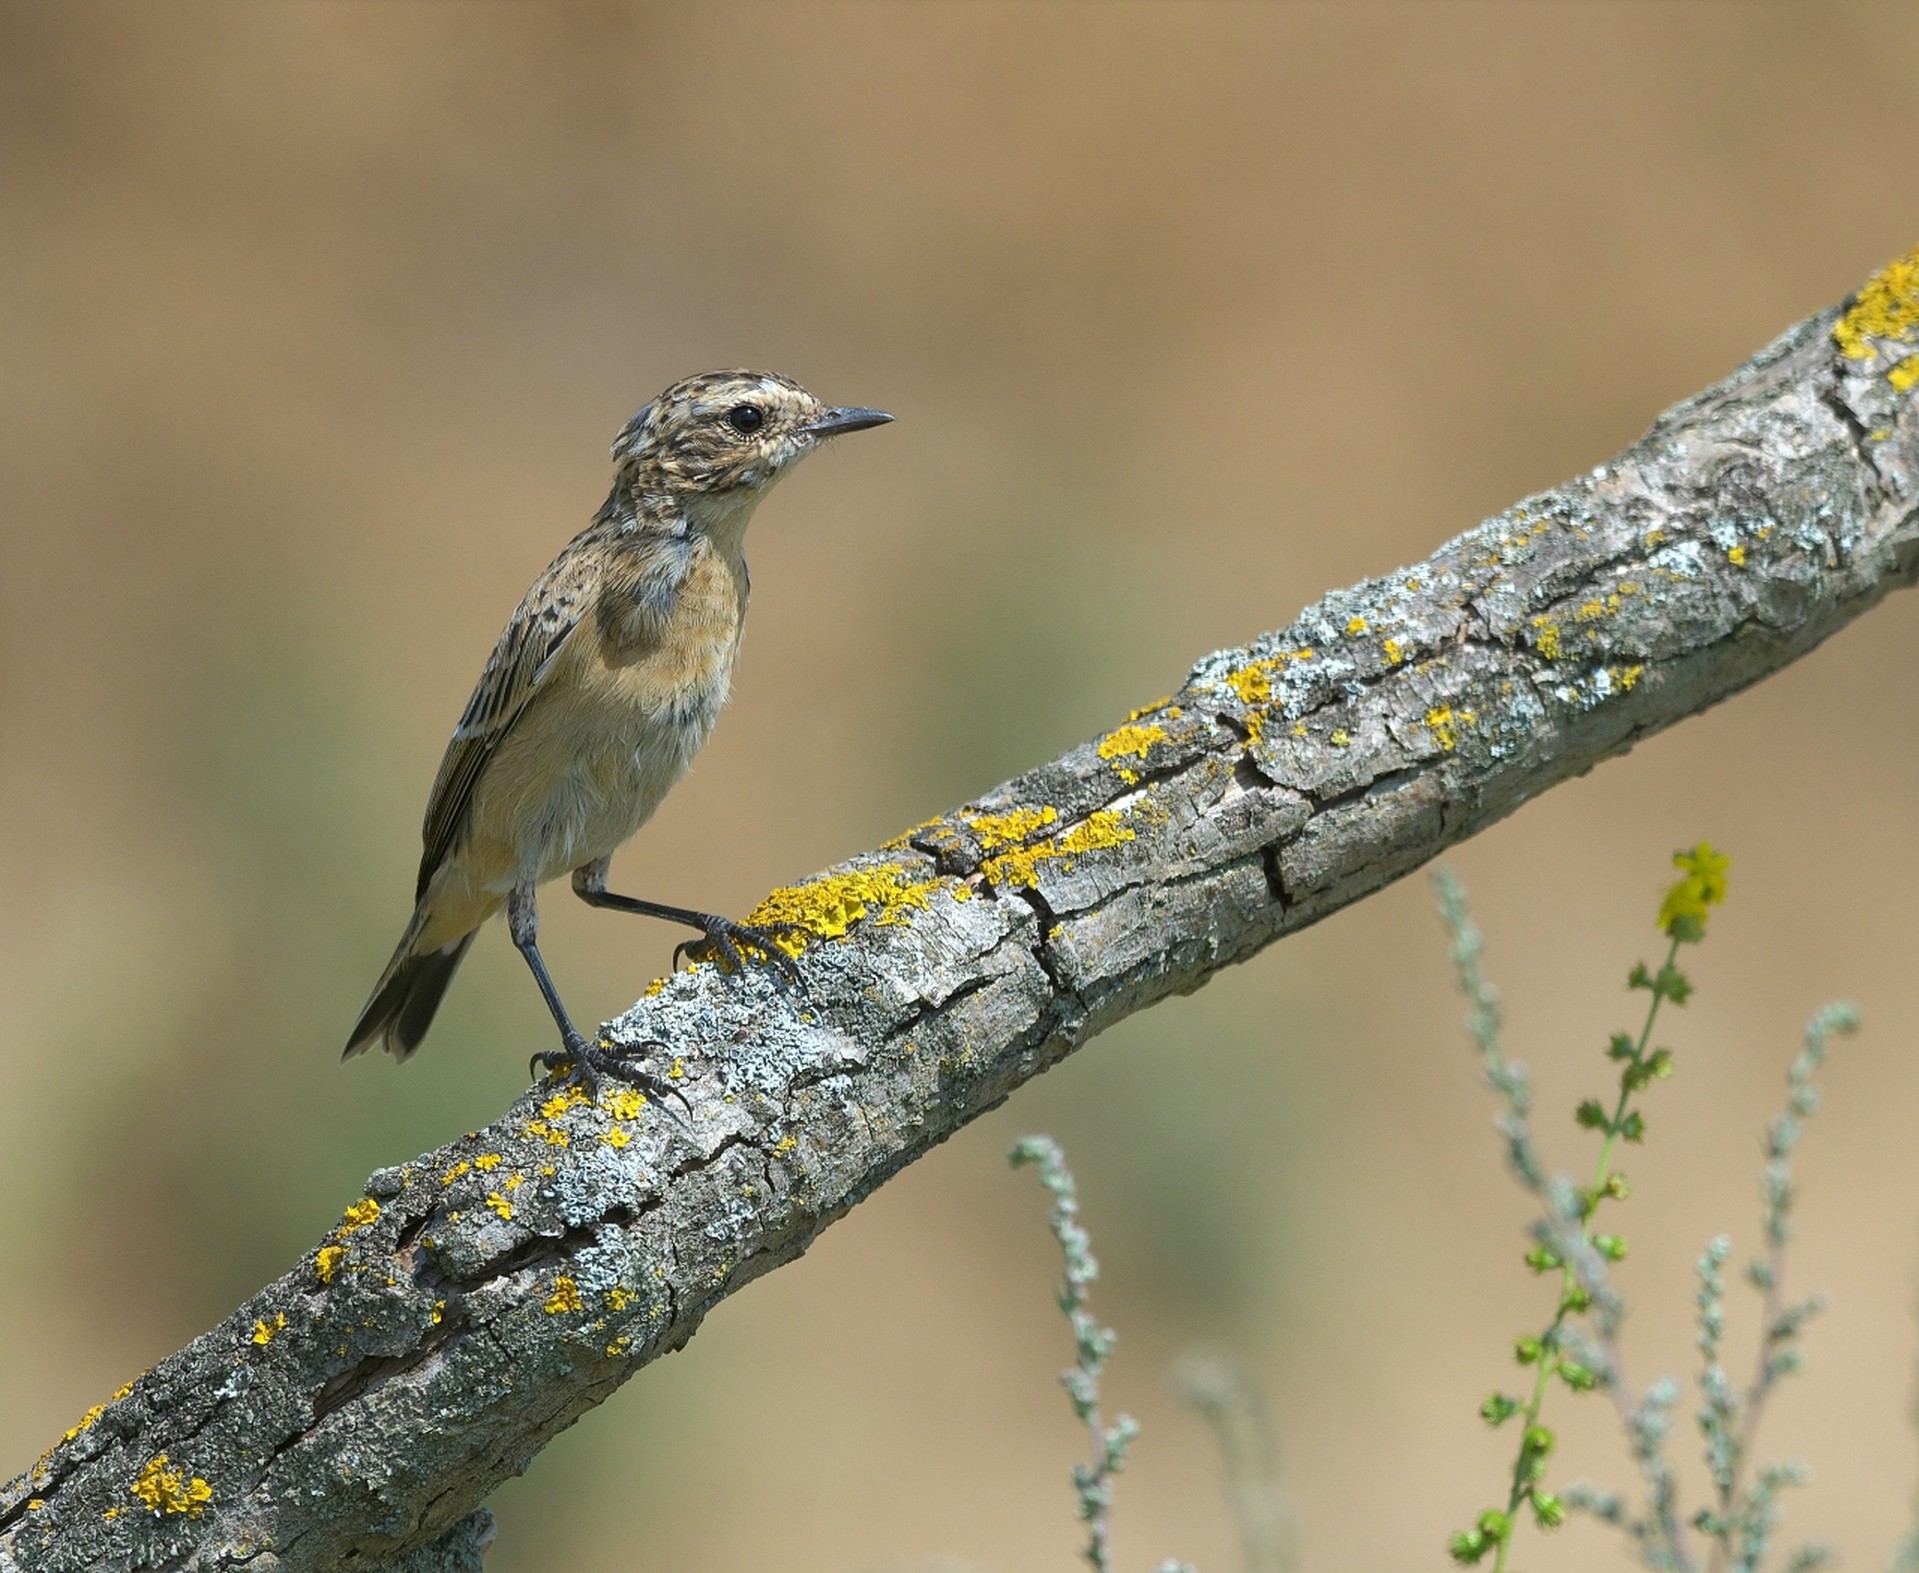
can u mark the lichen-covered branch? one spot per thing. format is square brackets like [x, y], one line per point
[483, 1297]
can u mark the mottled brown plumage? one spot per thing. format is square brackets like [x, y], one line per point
[605, 683]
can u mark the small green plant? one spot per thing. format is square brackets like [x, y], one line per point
[1578, 1345]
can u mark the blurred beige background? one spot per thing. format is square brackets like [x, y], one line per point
[318, 320]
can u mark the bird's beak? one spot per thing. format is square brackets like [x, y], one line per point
[846, 418]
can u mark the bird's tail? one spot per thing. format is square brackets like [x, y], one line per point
[407, 995]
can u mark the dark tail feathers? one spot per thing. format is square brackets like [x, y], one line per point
[404, 1000]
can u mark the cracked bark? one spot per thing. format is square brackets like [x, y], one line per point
[483, 1297]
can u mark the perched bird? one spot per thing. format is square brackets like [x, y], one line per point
[603, 687]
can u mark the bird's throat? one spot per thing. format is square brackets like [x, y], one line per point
[723, 519]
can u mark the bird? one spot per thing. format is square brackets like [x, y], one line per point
[606, 682]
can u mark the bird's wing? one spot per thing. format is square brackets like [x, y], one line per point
[514, 672]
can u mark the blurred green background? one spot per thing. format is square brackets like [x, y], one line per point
[318, 320]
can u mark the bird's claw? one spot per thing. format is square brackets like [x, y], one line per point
[729, 942]
[591, 1061]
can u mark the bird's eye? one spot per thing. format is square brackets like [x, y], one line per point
[746, 418]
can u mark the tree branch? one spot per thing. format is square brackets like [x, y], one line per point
[483, 1297]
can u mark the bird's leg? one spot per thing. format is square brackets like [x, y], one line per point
[722, 934]
[589, 1059]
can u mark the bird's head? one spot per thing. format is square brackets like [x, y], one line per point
[729, 435]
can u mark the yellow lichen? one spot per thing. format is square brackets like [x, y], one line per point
[1547, 638]
[552, 1135]
[439, 1312]
[1002, 830]
[1355, 625]
[455, 1172]
[1736, 555]
[1254, 681]
[905, 838]
[826, 908]
[1627, 678]
[163, 1488]
[488, 1161]
[624, 1104]
[1886, 307]
[1341, 738]
[560, 1102]
[360, 1215]
[1395, 651]
[1905, 376]
[499, 1204]
[1133, 742]
[1100, 829]
[618, 1298]
[788, 1142]
[565, 1296]
[1441, 722]
[327, 1262]
[264, 1330]
[657, 986]
[618, 1347]
[1157, 704]
[86, 1420]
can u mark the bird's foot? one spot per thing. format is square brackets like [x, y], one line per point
[592, 1061]
[730, 943]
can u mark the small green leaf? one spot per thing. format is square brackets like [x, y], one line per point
[1526, 1349]
[1590, 1115]
[1655, 1067]
[1673, 984]
[1610, 1246]
[1688, 927]
[1541, 1260]
[1633, 1127]
[1548, 1511]
[1621, 1047]
[1498, 1409]
[1468, 1546]
[1576, 1376]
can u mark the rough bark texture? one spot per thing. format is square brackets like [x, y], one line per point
[480, 1298]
